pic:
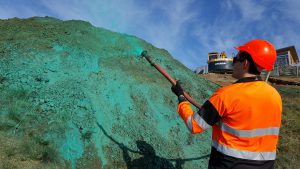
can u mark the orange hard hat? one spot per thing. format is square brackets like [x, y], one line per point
[262, 52]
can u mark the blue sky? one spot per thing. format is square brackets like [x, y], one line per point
[188, 29]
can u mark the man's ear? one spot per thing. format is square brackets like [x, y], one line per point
[246, 64]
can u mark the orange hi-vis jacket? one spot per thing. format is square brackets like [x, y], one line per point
[245, 117]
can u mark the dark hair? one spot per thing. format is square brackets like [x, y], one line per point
[252, 67]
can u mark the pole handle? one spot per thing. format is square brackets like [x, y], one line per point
[169, 77]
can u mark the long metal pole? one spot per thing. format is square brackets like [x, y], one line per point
[169, 77]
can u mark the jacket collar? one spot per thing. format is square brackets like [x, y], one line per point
[249, 79]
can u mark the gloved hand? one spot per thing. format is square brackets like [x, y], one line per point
[177, 89]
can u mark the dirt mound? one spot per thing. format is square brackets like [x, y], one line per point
[81, 97]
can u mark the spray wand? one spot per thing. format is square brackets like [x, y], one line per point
[169, 77]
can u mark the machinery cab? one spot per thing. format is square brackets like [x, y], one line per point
[212, 56]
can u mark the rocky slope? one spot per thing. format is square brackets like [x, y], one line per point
[76, 96]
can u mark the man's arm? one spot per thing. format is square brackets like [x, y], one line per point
[199, 121]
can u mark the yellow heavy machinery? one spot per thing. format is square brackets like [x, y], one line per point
[219, 63]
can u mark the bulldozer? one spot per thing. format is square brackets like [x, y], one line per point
[219, 63]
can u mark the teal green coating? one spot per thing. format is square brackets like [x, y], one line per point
[93, 99]
[71, 147]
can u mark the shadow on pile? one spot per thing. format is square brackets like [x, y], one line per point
[149, 159]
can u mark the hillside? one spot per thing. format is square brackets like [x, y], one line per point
[76, 96]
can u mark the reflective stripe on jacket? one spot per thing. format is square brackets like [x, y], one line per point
[245, 116]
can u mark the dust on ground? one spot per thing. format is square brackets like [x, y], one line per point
[219, 79]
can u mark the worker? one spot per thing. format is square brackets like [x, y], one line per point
[245, 116]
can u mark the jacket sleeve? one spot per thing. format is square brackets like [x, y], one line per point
[199, 121]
